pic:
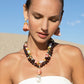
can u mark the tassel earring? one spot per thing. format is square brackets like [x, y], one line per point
[25, 27]
[57, 33]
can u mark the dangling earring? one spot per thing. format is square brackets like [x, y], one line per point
[25, 27]
[57, 33]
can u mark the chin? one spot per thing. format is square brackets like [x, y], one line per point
[38, 39]
[42, 40]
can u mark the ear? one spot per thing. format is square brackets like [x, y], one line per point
[57, 32]
[25, 12]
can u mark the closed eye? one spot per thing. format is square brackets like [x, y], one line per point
[54, 18]
[37, 17]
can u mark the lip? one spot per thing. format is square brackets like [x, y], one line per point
[42, 34]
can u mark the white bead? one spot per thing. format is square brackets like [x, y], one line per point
[28, 51]
[40, 61]
[38, 78]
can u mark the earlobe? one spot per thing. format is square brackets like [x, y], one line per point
[25, 12]
[57, 32]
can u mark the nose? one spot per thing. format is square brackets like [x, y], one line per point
[44, 26]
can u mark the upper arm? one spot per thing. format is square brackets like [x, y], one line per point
[4, 72]
[78, 67]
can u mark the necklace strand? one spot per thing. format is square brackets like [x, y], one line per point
[39, 64]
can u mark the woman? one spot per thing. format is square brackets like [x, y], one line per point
[48, 62]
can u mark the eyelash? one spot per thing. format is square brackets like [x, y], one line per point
[53, 20]
[37, 17]
[49, 19]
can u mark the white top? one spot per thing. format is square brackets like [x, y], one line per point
[47, 80]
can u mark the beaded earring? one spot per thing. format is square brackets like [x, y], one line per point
[25, 27]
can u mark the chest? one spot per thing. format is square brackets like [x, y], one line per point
[53, 68]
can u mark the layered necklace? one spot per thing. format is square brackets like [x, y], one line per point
[39, 64]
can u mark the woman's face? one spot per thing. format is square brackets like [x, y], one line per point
[44, 18]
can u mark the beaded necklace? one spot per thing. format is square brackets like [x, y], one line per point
[39, 64]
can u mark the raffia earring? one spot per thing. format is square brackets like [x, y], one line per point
[57, 33]
[25, 27]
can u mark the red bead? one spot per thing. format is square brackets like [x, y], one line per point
[39, 71]
[47, 55]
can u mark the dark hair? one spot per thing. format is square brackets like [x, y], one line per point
[28, 3]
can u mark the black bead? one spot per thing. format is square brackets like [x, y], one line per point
[47, 58]
[32, 61]
[29, 59]
[35, 64]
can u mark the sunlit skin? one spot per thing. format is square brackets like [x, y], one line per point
[44, 20]
[67, 61]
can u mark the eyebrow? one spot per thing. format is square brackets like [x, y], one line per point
[54, 16]
[36, 13]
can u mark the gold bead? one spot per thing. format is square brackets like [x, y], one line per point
[38, 63]
[27, 48]
[25, 23]
[44, 59]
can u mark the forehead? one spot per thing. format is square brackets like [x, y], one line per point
[46, 6]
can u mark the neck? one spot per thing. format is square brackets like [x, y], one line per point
[34, 45]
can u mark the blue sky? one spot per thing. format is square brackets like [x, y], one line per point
[72, 25]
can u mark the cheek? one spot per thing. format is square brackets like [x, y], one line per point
[33, 24]
[54, 26]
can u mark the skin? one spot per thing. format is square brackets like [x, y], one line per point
[66, 61]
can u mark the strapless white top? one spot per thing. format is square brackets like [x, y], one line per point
[47, 80]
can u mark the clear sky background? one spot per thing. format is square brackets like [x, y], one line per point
[72, 25]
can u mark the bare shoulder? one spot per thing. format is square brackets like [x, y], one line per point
[73, 57]
[70, 50]
[11, 59]
[7, 66]
[69, 53]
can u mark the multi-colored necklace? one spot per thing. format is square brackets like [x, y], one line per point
[40, 64]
